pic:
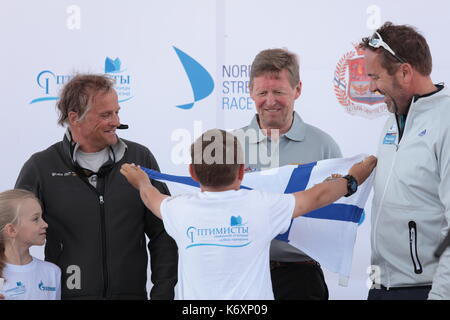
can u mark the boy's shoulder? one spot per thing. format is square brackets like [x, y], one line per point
[182, 197]
[242, 195]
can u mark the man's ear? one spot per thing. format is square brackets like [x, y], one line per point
[298, 90]
[407, 73]
[192, 173]
[72, 117]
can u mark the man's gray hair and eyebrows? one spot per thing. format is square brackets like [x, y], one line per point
[274, 61]
[77, 94]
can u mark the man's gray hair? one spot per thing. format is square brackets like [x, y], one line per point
[78, 93]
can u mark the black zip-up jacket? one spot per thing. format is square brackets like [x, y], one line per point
[97, 235]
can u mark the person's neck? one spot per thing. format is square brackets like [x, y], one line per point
[88, 149]
[17, 255]
[424, 86]
[83, 145]
[234, 186]
[274, 133]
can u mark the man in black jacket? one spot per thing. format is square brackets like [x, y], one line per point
[97, 221]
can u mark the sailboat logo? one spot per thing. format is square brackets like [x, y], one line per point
[201, 81]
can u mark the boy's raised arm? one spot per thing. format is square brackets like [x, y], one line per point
[327, 192]
[151, 197]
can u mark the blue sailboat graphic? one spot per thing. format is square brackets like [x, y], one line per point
[201, 81]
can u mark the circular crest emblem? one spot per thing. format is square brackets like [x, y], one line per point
[351, 87]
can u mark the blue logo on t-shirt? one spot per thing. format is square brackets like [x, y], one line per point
[235, 221]
[45, 288]
[18, 290]
[233, 236]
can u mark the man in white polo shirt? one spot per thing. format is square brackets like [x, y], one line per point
[278, 136]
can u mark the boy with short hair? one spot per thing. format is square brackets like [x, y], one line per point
[223, 233]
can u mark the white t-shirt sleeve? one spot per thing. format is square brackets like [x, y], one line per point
[58, 286]
[53, 273]
[281, 208]
[168, 216]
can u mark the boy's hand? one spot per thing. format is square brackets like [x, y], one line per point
[333, 176]
[363, 169]
[151, 196]
[135, 175]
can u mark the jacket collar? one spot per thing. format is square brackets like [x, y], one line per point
[425, 102]
[438, 86]
[116, 152]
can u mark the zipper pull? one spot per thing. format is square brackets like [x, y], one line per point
[101, 199]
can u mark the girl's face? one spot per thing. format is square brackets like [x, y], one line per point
[31, 228]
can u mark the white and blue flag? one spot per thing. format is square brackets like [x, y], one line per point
[328, 234]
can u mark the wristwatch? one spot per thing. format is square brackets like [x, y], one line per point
[352, 185]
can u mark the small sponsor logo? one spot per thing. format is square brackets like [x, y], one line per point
[50, 82]
[42, 287]
[64, 174]
[422, 133]
[123, 87]
[16, 291]
[390, 138]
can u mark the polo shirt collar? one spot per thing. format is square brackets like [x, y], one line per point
[297, 132]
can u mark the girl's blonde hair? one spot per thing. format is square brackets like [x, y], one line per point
[10, 204]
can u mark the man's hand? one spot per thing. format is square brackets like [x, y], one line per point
[135, 175]
[333, 176]
[362, 170]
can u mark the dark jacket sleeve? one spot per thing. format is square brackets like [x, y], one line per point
[28, 178]
[163, 249]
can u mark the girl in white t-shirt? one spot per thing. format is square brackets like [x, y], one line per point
[22, 276]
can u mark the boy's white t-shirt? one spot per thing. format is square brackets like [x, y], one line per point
[37, 280]
[224, 241]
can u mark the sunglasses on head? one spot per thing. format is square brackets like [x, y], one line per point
[376, 41]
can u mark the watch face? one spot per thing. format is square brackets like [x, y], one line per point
[353, 186]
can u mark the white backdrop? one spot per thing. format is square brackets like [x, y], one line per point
[44, 42]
